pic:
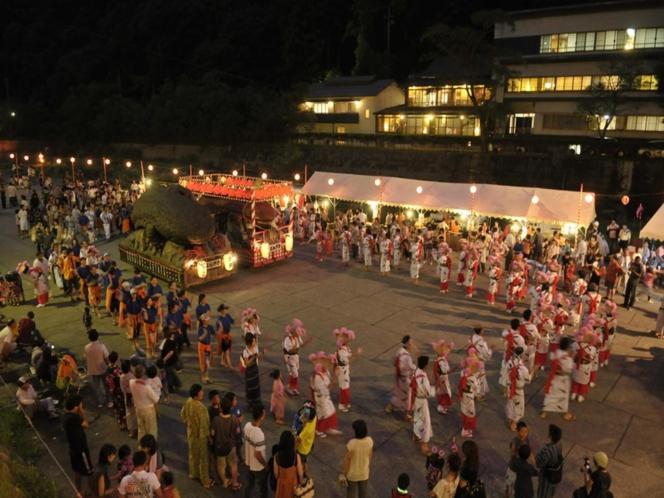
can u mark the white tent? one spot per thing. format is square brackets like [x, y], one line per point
[654, 229]
[533, 203]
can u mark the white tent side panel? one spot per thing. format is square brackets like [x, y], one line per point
[559, 206]
[654, 229]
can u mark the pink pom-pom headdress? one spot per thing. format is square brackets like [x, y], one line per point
[321, 357]
[344, 332]
[297, 327]
[249, 313]
[442, 346]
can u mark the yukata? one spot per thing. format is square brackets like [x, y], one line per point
[343, 356]
[512, 340]
[404, 368]
[420, 392]
[385, 255]
[518, 377]
[416, 259]
[529, 332]
[345, 247]
[441, 371]
[494, 275]
[292, 346]
[197, 419]
[582, 370]
[557, 385]
[513, 286]
[480, 348]
[396, 250]
[444, 268]
[542, 344]
[367, 242]
[467, 392]
[461, 267]
[326, 415]
[469, 277]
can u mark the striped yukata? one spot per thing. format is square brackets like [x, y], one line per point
[548, 457]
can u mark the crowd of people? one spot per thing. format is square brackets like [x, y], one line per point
[566, 331]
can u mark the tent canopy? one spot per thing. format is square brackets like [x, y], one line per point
[537, 204]
[654, 229]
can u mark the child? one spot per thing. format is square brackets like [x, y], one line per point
[525, 471]
[401, 491]
[168, 489]
[125, 463]
[154, 381]
[87, 319]
[237, 413]
[277, 399]
[434, 467]
[224, 341]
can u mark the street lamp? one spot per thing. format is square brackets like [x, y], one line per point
[235, 172]
[150, 167]
[175, 171]
[264, 176]
[89, 162]
[128, 164]
[297, 177]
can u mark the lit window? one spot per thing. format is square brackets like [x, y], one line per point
[630, 33]
[367, 113]
[321, 108]
[341, 130]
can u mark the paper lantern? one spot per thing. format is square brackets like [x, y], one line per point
[624, 200]
[201, 268]
[289, 242]
[229, 261]
[377, 182]
[534, 199]
[589, 198]
[265, 250]
[473, 189]
[330, 181]
[418, 190]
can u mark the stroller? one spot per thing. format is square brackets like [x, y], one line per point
[11, 289]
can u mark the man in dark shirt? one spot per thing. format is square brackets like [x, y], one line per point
[169, 355]
[597, 482]
[635, 274]
[75, 422]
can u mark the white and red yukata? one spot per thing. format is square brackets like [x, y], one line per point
[583, 364]
[461, 266]
[518, 377]
[557, 385]
[396, 250]
[385, 249]
[470, 275]
[542, 343]
[343, 355]
[467, 392]
[609, 326]
[420, 392]
[320, 244]
[554, 271]
[404, 368]
[444, 270]
[480, 349]
[367, 248]
[292, 345]
[326, 415]
[559, 321]
[578, 290]
[591, 301]
[595, 361]
[529, 332]
[416, 258]
[494, 275]
[441, 375]
[514, 283]
[512, 339]
[345, 247]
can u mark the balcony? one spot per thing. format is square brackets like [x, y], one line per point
[338, 117]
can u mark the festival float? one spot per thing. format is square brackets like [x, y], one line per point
[176, 240]
[246, 210]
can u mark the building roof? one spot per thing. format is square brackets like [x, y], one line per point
[348, 87]
[590, 6]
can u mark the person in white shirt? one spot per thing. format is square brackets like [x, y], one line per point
[254, 452]
[30, 402]
[106, 218]
[140, 483]
[144, 398]
[96, 356]
[8, 337]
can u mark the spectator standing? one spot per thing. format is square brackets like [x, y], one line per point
[75, 422]
[357, 462]
[287, 467]
[254, 452]
[597, 482]
[96, 360]
[225, 432]
[170, 356]
[447, 486]
[635, 274]
[525, 471]
[197, 419]
[144, 399]
[624, 237]
[102, 481]
[549, 461]
[140, 483]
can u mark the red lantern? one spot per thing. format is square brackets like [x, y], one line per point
[624, 200]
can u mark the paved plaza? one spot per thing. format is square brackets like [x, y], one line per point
[622, 416]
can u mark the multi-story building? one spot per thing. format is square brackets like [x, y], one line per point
[438, 103]
[346, 105]
[573, 71]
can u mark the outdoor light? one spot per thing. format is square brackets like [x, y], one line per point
[89, 162]
[534, 199]
[418, 190]
[58, 161]
[589, 198]
[12, 156]
[330, 181]
[128, 164]
[175, 171]
[12, 114]
[409, 213]
[297, 177]
[201, 172]
[264, 176]
[473, 189]
[107, 161]
[201, 268]
[235, 173]
[325, 203]
[40, 157]
[150, 167]
[265, 250]
[624, 200]
[288, 243]
[229, 261]
[26, 158]
[515, 226]
[72, 160]
[462, 117]
[222, 180]
[377, 182]
[148, 182]
[285, 198]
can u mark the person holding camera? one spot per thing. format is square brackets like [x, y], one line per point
[596, 482]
